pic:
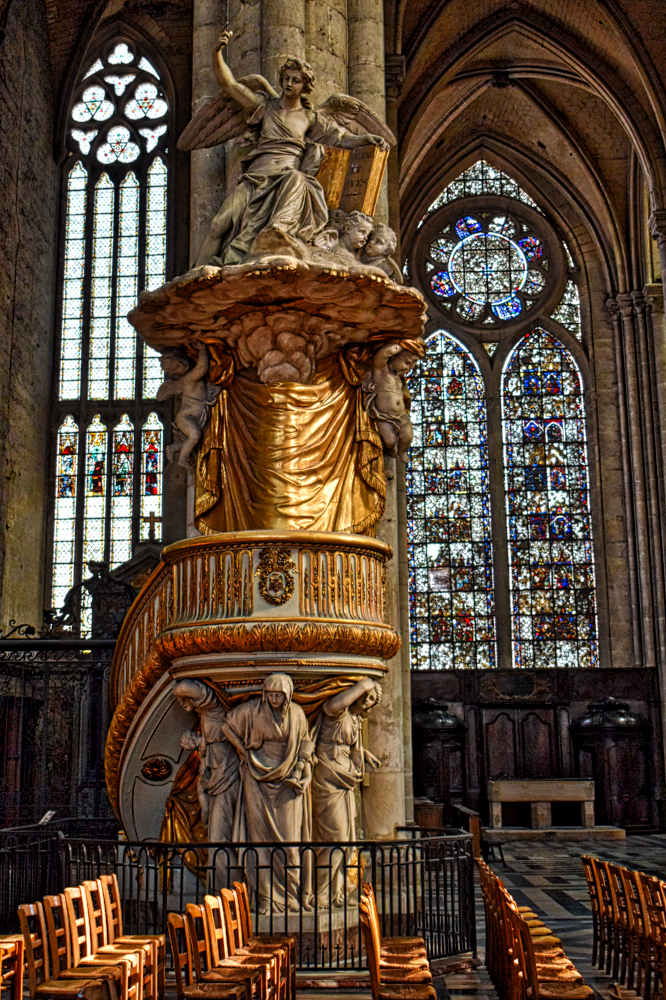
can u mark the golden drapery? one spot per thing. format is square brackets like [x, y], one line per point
[290, 456]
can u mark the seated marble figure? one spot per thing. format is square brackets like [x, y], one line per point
[284, 137]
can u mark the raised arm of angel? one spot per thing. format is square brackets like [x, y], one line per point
[228, 83]
[224, 117]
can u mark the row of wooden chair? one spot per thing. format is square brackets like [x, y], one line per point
[73, 946]
[217, 955]
[628, 924]
[525, 960]
[398, 966]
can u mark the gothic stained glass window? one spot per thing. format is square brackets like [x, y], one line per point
[72, 306]
[151, 478]
[155, 261]
[482, 178]
[115, 188]
[127, 286]
[94, 524]
[553, 604]
[102, 277]
[65, 509]
[568, 310]
[122, 489]
[448, 513]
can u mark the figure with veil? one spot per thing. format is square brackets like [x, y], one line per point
[278, 190]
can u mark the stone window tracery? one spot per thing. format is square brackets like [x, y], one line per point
[497, 276]
[110, 436]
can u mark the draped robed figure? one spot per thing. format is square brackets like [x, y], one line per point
[271, 736]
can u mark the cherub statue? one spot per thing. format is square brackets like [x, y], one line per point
[197, 394]
[277, 190]
[382, 242]
[386, 397]
[354, 233]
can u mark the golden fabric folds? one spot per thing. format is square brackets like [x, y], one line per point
[289, 456]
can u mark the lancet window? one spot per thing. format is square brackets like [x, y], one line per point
[448, 513]
[109, 443]
[500, 379]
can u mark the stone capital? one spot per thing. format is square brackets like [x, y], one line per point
[654, 296]
[657, 224]
[625, 304]
[394, 71]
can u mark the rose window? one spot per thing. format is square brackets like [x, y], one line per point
[490, 262]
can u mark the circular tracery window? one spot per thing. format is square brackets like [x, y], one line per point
[490, 262]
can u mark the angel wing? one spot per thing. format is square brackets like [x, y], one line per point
[222, 118]
[355, 116]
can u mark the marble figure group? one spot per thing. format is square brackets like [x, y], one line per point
[266, 776]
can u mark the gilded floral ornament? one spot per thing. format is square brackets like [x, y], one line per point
[275, 572]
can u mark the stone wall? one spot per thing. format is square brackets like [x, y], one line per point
[28, 245]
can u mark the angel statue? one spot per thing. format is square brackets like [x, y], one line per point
[278, 190]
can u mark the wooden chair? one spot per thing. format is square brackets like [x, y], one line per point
[623, 946]
[82, 954]
[653, 896]
[211, 961]
[181, 954]
[265, 940]
[391, 945]
[640, 950]
[395, 971]
[607, 914]
[399, 964]
[12, 961]
[596, 907]
[114, 923]
[95, 904]
[277, 958]
[536, 986]
[33, 927]
[386, 991]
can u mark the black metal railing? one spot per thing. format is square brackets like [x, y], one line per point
[423, 887]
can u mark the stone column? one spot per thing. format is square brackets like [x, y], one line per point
[395, 75]
[645, 358]
[282, 34]
[637, 496]
[384, 797]
[326, 46]
[207, 166]
[365, 70]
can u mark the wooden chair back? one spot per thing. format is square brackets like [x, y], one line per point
[370, 915]
[96, 907]
[654, 906]
[244, 910]
[57, 928]
[12, 960]
[524, 962]
[372, 956]
[33, 928]
[217, 929]
[231, 920]
[112, 905]
[635, 915]
[79, 927]
[181, 951]
[197, 925]
[596, 902]
[619, 897]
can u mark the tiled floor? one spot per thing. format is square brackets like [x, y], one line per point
[549, 878]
